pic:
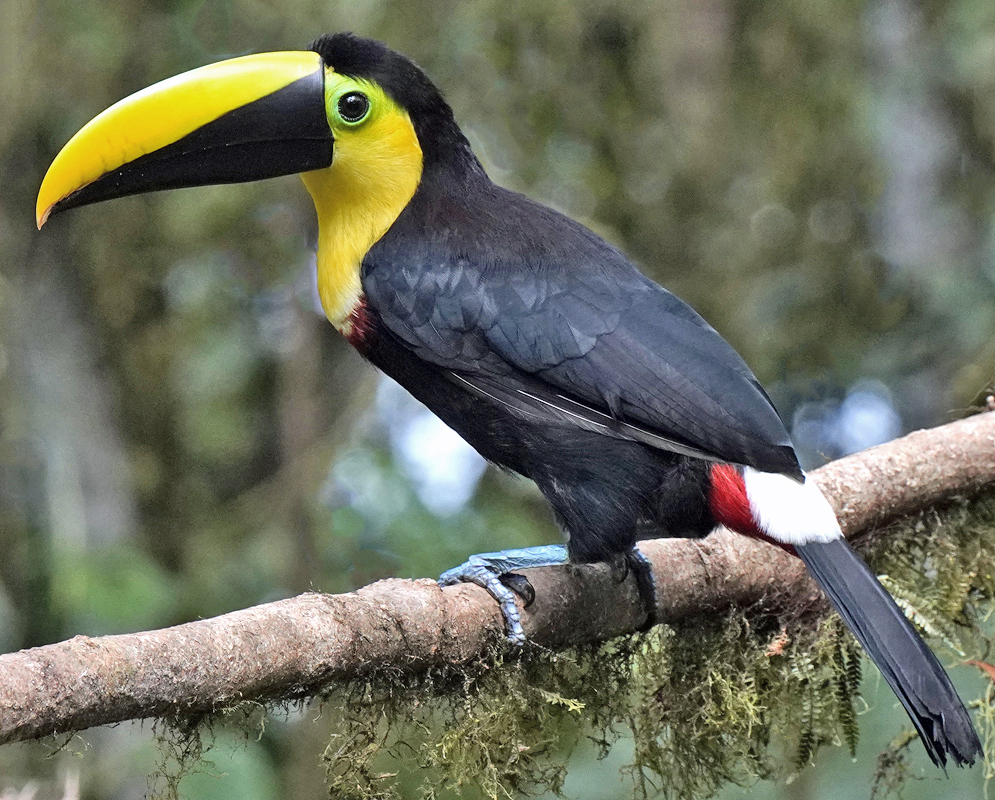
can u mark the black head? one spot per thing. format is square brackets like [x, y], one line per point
[441, 140]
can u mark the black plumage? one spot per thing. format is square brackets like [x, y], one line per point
[551, 350]
[512, 291]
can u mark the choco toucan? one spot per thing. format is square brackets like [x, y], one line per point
[541, 344]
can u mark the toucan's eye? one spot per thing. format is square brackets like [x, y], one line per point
[354, 106]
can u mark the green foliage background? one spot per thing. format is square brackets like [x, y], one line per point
[181, 435]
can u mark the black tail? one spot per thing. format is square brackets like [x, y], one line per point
[909, 666]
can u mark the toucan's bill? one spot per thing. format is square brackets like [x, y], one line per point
[240, 120]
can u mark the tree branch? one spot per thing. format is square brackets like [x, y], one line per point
[295, 648]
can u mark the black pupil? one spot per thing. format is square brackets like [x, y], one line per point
[353, 106]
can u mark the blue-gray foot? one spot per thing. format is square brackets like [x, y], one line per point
[642, 570]
[495, 572]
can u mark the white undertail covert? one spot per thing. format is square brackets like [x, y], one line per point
[788, 511]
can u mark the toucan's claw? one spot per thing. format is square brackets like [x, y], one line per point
[493, 572]
[477, 570]
[521, 586]
[642, 570]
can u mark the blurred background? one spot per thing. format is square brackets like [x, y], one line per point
[182, 434]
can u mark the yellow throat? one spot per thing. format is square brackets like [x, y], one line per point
[375, 171]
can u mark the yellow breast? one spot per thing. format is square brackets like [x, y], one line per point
[375, 171]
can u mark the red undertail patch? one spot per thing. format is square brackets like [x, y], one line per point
[730, 504]
[728, 501]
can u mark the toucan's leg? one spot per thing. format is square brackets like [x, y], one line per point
[642, 570]
[495, 573]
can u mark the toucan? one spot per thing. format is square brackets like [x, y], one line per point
[538, 342]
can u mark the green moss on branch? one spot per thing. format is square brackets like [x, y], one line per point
[722, 698]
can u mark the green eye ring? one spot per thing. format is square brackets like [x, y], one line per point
[353, 107]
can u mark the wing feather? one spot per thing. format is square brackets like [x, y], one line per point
[564, 329]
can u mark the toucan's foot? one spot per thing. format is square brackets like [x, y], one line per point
[495, 573]
[642, 570]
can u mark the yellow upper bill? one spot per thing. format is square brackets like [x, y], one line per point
[164, 113]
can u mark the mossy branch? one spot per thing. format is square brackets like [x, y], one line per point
[300, 647]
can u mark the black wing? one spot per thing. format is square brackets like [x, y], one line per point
[550, 320]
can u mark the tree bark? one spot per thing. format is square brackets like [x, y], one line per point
[296, 647]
